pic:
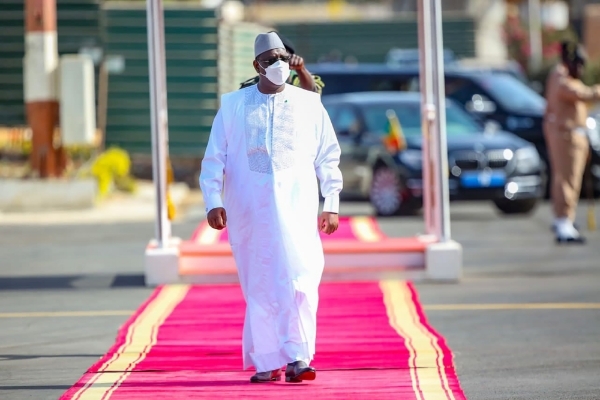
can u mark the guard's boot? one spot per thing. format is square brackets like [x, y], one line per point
[298, 371]
[553, 227]
[566, 232]
[269, 376]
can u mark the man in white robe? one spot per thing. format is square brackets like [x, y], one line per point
[268, 145]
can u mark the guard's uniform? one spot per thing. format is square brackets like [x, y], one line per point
[566, 139]
[294, 79]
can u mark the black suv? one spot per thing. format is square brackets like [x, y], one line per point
[494, 166]
[493, 97]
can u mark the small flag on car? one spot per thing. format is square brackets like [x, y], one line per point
[394, 141]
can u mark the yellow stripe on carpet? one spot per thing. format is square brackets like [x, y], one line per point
[426, 358]
[141, 336]
[208, 235]
[364, 230]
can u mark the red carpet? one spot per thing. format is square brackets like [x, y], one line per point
[373, 342]
[354, 228]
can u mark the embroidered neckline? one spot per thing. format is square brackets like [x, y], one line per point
[269, 94]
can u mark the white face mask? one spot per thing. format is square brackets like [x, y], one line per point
[278, 73]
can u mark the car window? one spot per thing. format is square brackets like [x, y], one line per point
[408, 114]
[359, 82]
[394, 83]
[343, 83]
[332, 110]
[512, 94]
[460, 90]
[346, 122]
[458, 122]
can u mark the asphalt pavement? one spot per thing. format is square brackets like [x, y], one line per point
[524, 323]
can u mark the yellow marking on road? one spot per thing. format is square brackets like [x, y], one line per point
[363, 229]
[59, 314]
[512, 306]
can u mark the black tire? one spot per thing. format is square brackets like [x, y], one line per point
[386, 194]
[524, 206]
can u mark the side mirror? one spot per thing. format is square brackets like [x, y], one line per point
[480, 105]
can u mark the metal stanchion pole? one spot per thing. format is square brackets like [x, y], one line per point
[425, 67]
[443, 257]
[158, 115]
[441, 143]
[162, 256]
[435, 156]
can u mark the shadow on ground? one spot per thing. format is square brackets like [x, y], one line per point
[96, 281]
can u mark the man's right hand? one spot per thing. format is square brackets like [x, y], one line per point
[217, 218]
[296, 62]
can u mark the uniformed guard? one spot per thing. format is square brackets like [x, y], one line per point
[299, 76]
[566, 137]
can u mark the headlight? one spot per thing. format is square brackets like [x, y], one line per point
[593, 133]
[412, 158]
[590, 123]
[527, 159]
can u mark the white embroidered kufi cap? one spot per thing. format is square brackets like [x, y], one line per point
[267, 41]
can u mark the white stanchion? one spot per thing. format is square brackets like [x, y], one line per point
[443, 259]
[162, 254]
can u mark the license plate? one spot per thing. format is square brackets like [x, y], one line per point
[483, 179]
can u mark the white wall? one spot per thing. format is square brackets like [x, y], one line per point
[490, 16]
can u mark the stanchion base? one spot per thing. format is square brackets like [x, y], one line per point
[161, 265]
[443, 261]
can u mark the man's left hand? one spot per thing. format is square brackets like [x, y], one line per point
[296, 62]
[328, 222]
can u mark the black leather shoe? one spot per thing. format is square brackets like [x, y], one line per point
[269, 376]
[298, 371]
[570, 240]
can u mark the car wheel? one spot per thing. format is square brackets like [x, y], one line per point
[523, 206]
[386, 196]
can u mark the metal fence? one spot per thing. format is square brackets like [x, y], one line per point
[191, 36]
[370, 41]
[236, 53]
[78, 27]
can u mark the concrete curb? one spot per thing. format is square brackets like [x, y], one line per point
[38, 195]
[139, 207]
